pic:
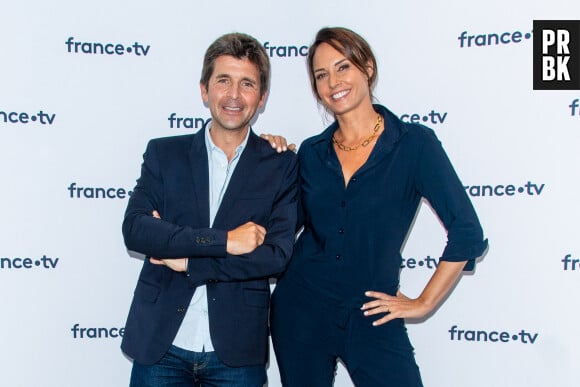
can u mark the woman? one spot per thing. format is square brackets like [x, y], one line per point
[362, 180]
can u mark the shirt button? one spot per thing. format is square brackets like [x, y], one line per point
[353, 179]
[341, 230]
[338, 256]
[181, 309]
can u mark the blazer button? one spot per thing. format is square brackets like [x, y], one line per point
[181, 309]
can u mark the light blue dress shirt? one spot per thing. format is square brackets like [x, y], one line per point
[193, 334]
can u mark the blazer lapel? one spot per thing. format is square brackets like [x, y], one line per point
[200, 176]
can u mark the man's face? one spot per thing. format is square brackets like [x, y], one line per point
[233, 93]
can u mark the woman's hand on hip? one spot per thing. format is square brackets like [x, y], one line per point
[392, 307]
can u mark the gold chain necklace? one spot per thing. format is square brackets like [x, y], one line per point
[364, 143]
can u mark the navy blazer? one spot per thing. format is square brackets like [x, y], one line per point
[174, 181]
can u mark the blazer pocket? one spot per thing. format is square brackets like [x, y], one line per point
[147, 292]
[257, 297]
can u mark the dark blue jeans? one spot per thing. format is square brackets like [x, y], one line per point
[181, 368]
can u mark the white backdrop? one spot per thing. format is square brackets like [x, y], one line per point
[68, 116]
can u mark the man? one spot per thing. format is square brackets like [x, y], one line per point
[215, 214]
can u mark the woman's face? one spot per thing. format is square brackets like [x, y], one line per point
[341, 86]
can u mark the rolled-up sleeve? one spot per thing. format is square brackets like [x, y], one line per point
[438, 182]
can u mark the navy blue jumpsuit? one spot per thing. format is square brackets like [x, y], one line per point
[351, 243]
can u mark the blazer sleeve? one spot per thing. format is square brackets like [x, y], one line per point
[155, 237]
[440, 185]
[269, 259]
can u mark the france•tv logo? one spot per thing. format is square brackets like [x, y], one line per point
[556, 54]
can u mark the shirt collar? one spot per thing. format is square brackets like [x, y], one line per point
[212, 147]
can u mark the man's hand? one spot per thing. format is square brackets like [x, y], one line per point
[245, 238]
[176, 264]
